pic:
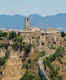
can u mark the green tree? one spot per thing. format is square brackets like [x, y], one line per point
[2, 61]
[18, 42]
[62, 34]
[11, 35]
[27, 76]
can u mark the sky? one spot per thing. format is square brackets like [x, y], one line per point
[28, 7]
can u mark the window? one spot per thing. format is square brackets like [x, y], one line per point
[54, 42]
[42, 34]
[42, 43]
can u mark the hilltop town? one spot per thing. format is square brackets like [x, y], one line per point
[32, 54]
[45, 38]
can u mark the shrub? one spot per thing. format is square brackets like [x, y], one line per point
[2, 61]
[11, 35]
[27, 76]
[42, 53]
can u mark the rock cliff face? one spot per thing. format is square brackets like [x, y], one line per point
[13, 67]
[2, 52]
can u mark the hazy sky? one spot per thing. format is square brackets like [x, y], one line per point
[27, 7]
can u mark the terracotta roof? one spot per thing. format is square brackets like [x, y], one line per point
[51, 30]
[36, 29]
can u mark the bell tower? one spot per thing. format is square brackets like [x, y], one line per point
[27, 24]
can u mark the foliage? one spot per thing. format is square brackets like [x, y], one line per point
[51, 58]
[52, 72]
[59, 59]
[11, 35]
[23, 58]
[7, 54]
[59, 52]
[18, 42]
[29, 76]
[27, 49]
[28, 64]
[3, 34]
[42, 53]
[38, 78]
[65, 39]
[57, 68]
[2, 61]
[4, 46]
[63, 34]
[53, 46]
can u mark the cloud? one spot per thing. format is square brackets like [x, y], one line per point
[9, 12]
[61, 29]
[44, 12]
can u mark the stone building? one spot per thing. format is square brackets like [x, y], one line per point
[42, 39]
[53, 36]
[45, 38]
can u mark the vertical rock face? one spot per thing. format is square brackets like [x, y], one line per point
[65, 46]
[12, 69]
[2, 52]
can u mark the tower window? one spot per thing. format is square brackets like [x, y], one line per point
[27, 19]
[54, 42]
[42, 34]
[42, 43]
[1, 73]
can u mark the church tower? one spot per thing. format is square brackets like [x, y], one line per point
[27, 24]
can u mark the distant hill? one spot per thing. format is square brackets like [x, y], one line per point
[17, 21]
[56, 21]
[12, 22]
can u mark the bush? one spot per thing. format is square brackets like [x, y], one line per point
[2, 61]
[42, 53]
[62, 34]
[59, 52]
[59, 59]
[3, 34]
[27, 76]
[11, 35]
[53, 46]
[18, 43]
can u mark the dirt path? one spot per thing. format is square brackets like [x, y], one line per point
[13, 68]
